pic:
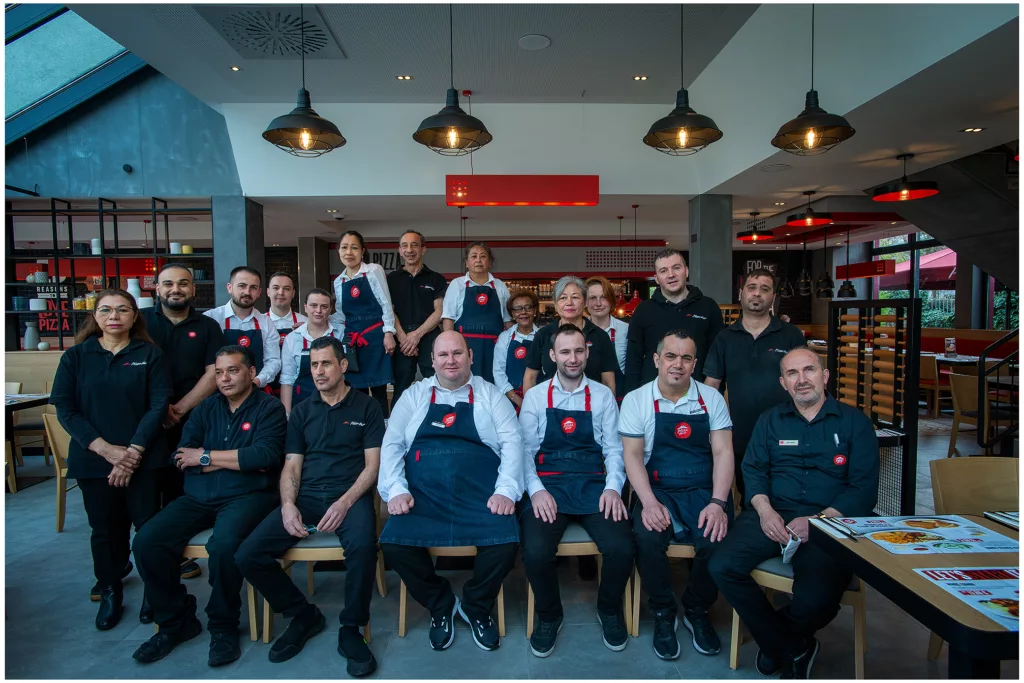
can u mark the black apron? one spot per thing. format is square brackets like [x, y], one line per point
[515, 364]
[251, 340]
[283, 332]
[480, 323]
[304, 384]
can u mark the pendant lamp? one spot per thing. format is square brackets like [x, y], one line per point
[809, 218]
[905, 190]
[803, 280]
[823, 287]
[452, 132]
[786, 287]
[847, 290]
[683, 132]
[620, 244]
[302, 132]
[814, 131]
[754, 234]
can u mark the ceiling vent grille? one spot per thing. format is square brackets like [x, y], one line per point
[273, 32]
[627, 259]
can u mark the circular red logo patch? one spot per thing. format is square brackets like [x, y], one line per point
[481, 298]
[683, 431]
[355, 292]
[839, 459]
[449, 419]
[521, 352]
[568, 425]
[192, 334]
[246, 426]
[244, 341]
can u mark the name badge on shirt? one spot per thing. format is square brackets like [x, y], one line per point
[789, 442]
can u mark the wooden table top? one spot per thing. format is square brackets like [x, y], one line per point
[24, 401]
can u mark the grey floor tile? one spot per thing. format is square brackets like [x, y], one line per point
[319, 659]
[636, 661]
[412, 657]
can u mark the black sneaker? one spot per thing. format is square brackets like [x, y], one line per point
[800, 667]
[352, 646]
[766, 665]
[442, 630]
[94, 593]
[160, 645]
[223, 648]
[705, 640]
[666, 645]
[485, 632]
[542, 642]
[190, 569]
[614, 630]
[303, 627]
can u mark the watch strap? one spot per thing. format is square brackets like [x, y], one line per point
[719, 501]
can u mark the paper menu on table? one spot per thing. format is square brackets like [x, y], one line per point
[913, 535]
[993, 591]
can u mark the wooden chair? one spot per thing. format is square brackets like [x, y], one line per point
[965, 409]
[28, 430]
[457, 551]
[932, 383]
[675, 551]
[12, 482]
[60, 440]
[774, 575]
[970, 486]
[577, 542]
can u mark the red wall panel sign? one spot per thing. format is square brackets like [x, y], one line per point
[867, 269]
[522, 190]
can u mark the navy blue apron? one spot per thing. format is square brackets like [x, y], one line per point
[451, 475]
[620, 379]
[252, 340]
[275, 386]
[365, 317]
[515, 364]
[480, 323]
[304, 385]
[570, 461]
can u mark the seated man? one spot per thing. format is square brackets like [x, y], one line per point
[451, 471]
[330, 466]
[806, 456]
[574, 472]
[677, 445]
[230, 489]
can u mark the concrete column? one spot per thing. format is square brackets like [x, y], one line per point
[314, 265]
[237, 239]
[711, 246]
[969, 282]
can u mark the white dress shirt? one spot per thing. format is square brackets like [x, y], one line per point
[495, 420]
[291, 352]
[617, 331]
[534, 421]
[286, 320]
[378, 281]
[501, 355]
[637, 416]
[271, 337]
[456, 294]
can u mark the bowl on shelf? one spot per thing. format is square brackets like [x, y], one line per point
[37, 304]
[19, 303]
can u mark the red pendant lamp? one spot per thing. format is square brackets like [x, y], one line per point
[809, 218]
[905, 190]
[754, 234]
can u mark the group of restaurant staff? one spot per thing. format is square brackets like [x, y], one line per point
[177, 428]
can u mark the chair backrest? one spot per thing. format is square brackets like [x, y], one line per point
[12, 387]
[49, 407]
[965, 392]
[972, 485]
[929, 368]
[60, 440]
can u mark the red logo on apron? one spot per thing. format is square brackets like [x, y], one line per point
[839, 459]
[244, 341]
[449, 419]
[568, 425]
[192, 334]
[481, 298]
[355, 292]
[683, 431]
[246, 426]
[521, 352]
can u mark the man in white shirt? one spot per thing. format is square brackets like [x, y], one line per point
[296, 375]
[281, 291]
[677, 446]
[451, 472]
[573, 469]
[245, 326]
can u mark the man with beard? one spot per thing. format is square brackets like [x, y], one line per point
[807, 456]
[746, 355]
[245, 326]
[296, 372]
[331, 460]
[281, 291]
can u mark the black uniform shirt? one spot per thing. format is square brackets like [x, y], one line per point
[413, 296]
[804, 467]
[332, 440]
[601, 358]
[122, 398]
[188, 346]
[751, 368]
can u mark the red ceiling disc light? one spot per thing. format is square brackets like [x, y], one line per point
[905, 190]
[809, 218]
[756, 233]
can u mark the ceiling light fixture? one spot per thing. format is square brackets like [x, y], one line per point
[905, 190]
[809, 219]
[683, 132]
[814, 131]
[780, 203]
[302, 132]
[755, 233]
[823, 287]
[847, 290]
[236, 68]
[785, 287]
[803, 280]
[639, 78]
[534, 41]
[972, 130]
[332, 211]
[404, 78]
[452, 132]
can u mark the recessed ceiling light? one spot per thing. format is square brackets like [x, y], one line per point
[972, 130]
[332, 211]
[639, 78]
[236, 68]
[780, 203]
[534, 41]
[893, 223]
[404, 78]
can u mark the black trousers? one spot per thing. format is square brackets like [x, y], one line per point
[112, 511]
[739, 448]
[818, 585]
[258, 555]
[540, 543]
[159, 547]
[415, 567]
[403, 367]
[656, 574]
[380, 394]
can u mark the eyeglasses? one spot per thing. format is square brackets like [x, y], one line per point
[522, 309]
[105, 311]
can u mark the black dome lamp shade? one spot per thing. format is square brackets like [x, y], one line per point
[809, 218]
[824, 286]
[814, 131]
[847, 290]
[754, 234]
[905, 190]
[683, 132]
[786, 287]
[452, 132]
[803, 280]
[302, 132]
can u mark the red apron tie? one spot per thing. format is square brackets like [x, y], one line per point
[357, 339]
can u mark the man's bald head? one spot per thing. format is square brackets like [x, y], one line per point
[452, 360]
[803, 376]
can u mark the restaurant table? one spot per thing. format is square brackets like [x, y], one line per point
[14, 403]
[976, 643]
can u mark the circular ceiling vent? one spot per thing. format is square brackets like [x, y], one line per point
[775, 168]
[273, 33]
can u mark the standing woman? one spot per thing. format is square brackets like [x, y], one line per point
[600, 298]
[513, 344]
[111, 392]
[475, 306]
[365, 316]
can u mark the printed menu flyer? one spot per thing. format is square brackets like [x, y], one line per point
[993, 591]
[933, 534]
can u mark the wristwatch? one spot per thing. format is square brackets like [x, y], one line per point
[719, 501]
[204, 459]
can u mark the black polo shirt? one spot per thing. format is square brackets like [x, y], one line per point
[751, 368]
[804, 467]
[122, 398]
[332, 440]
[413, 296]
[188, 346]
[602, 356]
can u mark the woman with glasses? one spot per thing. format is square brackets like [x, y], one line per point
[600, 298]
[514, 343]
[111, 392]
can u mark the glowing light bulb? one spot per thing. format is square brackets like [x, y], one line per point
[811, 139]
[453, 138]
[809, 221]
[904, 195]
[683, 135]
[305, 139]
